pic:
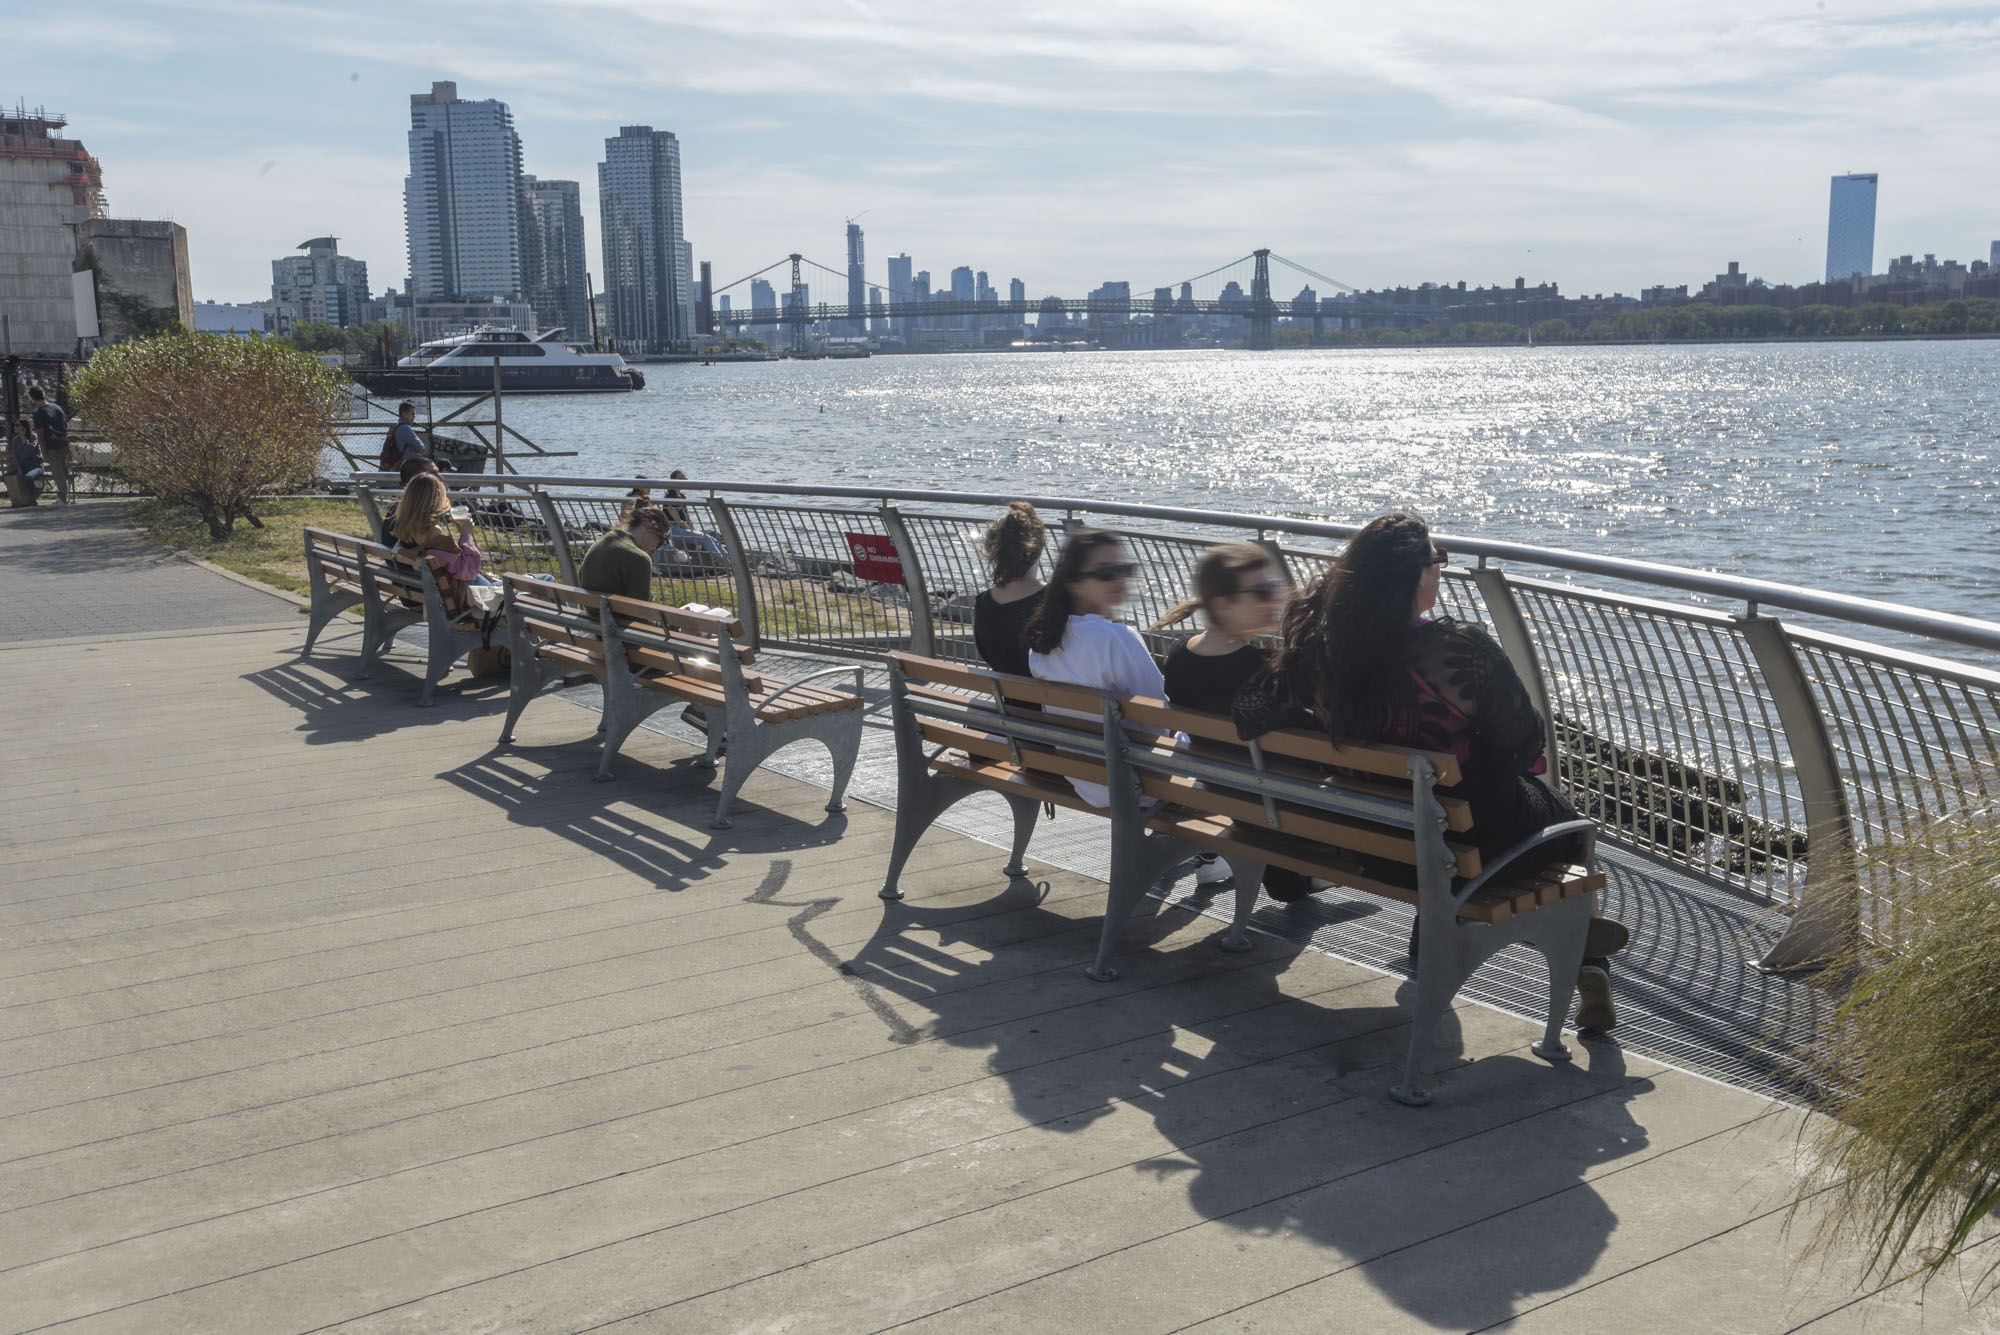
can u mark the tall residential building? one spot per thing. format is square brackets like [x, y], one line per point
[49, 188]
[878, 323]
[1850, 227]
[763, 297]
[462, 198]
[901, 292]
[857, 282]
[1017, 291]
[553, 275]
[322, 285]
[704, 305]
[648, 263]
[1993, 255]
[962, 289]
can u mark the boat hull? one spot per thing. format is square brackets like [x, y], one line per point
[415, 382]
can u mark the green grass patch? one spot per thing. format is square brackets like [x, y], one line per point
[274, 554]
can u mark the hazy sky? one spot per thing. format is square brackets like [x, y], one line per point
[1604, 147]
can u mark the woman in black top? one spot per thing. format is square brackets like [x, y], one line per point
[1241, 597]
[1013, 548]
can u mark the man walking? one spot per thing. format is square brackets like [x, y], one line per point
[52, 434]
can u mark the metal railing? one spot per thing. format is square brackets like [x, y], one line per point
[1756, 754]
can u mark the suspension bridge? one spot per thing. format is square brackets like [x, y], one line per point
[1254, 303]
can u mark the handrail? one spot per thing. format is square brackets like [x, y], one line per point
[1946, 626]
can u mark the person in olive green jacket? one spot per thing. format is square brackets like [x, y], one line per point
[621, 561]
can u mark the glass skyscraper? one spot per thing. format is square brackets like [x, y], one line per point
[462, 198]
[1850, 227]
[552, 263]
[648, 263]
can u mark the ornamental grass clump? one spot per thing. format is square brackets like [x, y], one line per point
[212, 420]
[1909, 1160]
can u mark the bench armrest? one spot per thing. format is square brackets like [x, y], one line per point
[812, 677]
[1547, 835]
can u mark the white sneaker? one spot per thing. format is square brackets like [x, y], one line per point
[1212, 871]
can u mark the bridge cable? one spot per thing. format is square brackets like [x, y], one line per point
[1216, 270]
[727, 287]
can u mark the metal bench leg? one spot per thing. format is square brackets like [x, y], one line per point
[845, 746]
[1026, 811]
[1136, 863]
[528, 678]
[1436, 986]
[325, 607]
[1559, 931]
[919, 802]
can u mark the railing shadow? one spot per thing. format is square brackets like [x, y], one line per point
[1275, 1105]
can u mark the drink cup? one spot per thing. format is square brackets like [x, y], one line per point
[461, 512]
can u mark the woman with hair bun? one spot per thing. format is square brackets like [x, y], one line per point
[1013, 548]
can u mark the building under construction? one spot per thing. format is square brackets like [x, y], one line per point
[50, 190]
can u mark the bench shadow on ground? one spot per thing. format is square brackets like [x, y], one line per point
[651, 820]
[1276, 1105]
[331, 703]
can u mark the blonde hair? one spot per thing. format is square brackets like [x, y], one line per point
[1218, 575]
[422, 507]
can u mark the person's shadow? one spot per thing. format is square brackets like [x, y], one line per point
[1276, 1103]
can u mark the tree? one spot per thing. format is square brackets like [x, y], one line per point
[211, 420]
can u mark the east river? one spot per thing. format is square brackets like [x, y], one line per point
[1868, 468]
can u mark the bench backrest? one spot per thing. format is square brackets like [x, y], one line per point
[1355, 799]
[556, 614]
[342, 556]
[653, 635]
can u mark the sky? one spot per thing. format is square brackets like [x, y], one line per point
[1602, 147]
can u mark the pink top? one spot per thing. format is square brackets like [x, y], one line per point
[464, 563]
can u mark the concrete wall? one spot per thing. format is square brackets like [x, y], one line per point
[148, 260]
[38, 252]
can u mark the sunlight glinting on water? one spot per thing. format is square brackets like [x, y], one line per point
[1862, 467]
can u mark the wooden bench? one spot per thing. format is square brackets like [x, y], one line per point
[342, 572]
[1291, 799]
[647, 656]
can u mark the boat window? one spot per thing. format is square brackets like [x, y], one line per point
[505, 350]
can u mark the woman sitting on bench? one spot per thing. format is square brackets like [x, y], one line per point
[420, 535]
[1072, 638]
[1013, 549]
[1362, 655]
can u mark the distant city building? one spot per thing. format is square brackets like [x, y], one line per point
[554, 278]
[50, 187]
[143, 284]
[1017, 291]
[214, 318]
[648, 262]
[878, 323]
[704, 300]
[857, 282]
[920, 290]
[1993, 255]
[462, 198]
[1850, 227]
[762, 296]
[322, 285]
[901, 292]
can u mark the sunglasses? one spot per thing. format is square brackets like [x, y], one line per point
[1109, 571]
[1439, 559]
[1270, 590]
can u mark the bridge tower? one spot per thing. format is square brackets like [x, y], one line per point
[1261, 309]
[796, 316]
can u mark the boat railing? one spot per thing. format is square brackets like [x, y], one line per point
[1784, 758]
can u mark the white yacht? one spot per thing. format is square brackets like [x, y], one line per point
[529, 364]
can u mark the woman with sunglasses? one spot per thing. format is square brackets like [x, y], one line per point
[1363, 655]
[1241, 597]
[1072, 638]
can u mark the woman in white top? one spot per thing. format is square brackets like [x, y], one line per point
[1072, 638]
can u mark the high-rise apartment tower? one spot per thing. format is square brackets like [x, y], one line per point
[462, 198]
[553, 276]
[1850, 227]
[322, 285]
[857, 282]
[648, 262]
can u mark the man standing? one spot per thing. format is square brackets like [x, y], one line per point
[403, 443]
[52, 434]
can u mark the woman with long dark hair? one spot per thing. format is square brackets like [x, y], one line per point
[1013, 548]
[1072, 638]
[1362, 655]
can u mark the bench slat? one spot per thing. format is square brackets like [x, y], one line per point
[1021, 689]
[1008, 779]
[1296, 743]
[1321, 827]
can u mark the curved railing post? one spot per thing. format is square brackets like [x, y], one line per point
[1511, 629]
[923, 634]
[1826, 916]
[365, 493]
[739, 565]
[558, 538]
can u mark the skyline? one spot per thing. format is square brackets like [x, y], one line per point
[1142, 144]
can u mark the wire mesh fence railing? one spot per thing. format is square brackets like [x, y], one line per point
[1755, 755]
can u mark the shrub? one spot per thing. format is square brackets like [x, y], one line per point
[211, 420]
[1910, 1067]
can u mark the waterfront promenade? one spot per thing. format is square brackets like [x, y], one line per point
[320, 1011]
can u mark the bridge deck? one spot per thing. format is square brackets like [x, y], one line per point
[323, 1012]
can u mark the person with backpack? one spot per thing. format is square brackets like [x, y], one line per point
[403, 444]
[52, 434]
